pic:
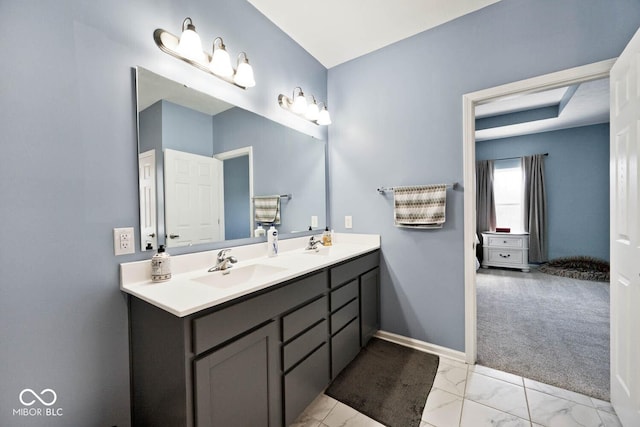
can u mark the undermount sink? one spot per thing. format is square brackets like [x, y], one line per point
[320, 252]
[238, 275]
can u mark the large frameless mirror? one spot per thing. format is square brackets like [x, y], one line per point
[210, 171]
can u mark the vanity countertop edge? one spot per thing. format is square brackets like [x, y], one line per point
[183, 295]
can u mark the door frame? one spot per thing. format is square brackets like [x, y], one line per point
[562, 78]
[239, 152]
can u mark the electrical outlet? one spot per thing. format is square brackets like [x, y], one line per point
[123, 241]
[314, 221]
[348, 221]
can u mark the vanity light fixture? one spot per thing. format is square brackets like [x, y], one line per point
[244, 72]
[189, 49]
[190, 45]
[324, 118]
[313, 111]
[220, 61]
[299, 106]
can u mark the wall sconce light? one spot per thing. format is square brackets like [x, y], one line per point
[189, 49]
[311, 111]
[244, 72]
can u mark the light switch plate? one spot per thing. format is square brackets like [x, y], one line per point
[123, 241]
[314, 221]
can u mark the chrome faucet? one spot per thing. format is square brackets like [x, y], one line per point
[223, 261]
[313, 244]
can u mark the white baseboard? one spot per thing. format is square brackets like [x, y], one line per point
[422, 346]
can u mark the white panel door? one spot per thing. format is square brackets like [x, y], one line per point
[625, 235]
[194, 203]
[147, 182]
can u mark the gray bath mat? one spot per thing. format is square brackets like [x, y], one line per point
[387, 382]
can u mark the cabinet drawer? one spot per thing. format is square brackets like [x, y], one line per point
[345, 345]
[506, 242]
[299, 320]
[343, 295]
[304, 344]
[506, 256]
[344, 316]
[345, 272]
[305, 382]
[213, 329]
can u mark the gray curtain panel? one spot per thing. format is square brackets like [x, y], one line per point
[485, 201]
[535, 207]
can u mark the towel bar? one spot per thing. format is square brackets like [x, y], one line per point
[282, 196]
[382, 190]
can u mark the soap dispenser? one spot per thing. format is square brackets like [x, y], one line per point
[160, 266]
[272, 241]
[326, 237]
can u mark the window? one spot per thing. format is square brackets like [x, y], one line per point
[508, 193]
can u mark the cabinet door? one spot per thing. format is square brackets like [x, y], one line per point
[369, 305]
[239, 384]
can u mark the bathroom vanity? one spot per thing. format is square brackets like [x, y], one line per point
[255, 350]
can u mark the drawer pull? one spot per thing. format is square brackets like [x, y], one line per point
[505, 256]
[504, 241]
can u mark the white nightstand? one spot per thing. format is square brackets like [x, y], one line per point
[509, 250]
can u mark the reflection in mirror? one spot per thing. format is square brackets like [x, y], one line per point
[204, 164]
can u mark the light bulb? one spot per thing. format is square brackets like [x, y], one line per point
[312, 111]
[324, 118]
[299, 104]
[244, 73]
[190, 45]
[220, 61]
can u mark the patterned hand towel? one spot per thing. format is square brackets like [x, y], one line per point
[267, 209]
[420, 206]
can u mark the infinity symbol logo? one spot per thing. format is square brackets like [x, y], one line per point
[42, 393]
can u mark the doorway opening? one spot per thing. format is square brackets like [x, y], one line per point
[571, 77]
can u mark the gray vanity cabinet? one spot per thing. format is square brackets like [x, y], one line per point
[347, 300]
[369, 305]
[238, 384]
[305, 356]
[258, 360]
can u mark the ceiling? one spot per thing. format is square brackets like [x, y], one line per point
[579, 105]
[152, 88]
[336, 31]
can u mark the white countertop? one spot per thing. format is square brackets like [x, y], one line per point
[184, 294]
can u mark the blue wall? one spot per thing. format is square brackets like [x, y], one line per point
[397, 120]
[184, 129]
[68, 170]
[68, 176]
[577, 185]
[285, 161]
[237, 203]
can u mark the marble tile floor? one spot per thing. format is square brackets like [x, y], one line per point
[477, 396]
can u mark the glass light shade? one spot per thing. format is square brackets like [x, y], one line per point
[312, 112]
[244, 75]
[299, 104]
[324, 118]
[221, 63]
[190, 46]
